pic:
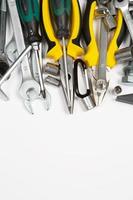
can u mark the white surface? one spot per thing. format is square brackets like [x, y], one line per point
[52, 155]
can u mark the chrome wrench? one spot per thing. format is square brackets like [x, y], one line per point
[123, 5]
[101, 83]
[30, 88]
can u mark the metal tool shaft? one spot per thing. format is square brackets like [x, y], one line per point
[101, 84]
[123, 5]
[103, 52]
[3, 13]
[19, 38]
[15, 64]
[66, 70]
[38, 65]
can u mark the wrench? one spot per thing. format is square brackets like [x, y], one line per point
[123, 5]
[30, 88]
[101, 83]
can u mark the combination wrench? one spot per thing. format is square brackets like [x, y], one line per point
[30, 89]
[123, 5]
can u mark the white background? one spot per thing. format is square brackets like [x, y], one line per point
[53, 155]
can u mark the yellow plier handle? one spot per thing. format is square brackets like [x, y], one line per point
[74, 49]
[116, 40]
[92, 54]
[54, 47]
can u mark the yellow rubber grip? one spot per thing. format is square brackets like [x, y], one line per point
[113, 47]
[55, 49]
[73, 49]
[92, 55]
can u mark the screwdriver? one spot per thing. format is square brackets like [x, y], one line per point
[61, 13]
[29, 13]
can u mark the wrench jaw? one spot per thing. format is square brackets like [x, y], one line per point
[30, 91]
[69, 101]
[28, 106]
[46, 99]
[29, 100]
[3, 95]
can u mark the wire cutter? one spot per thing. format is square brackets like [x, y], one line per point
[55, 51]
[93, 52]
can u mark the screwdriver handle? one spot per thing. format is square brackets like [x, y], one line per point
[74, 49]
[54, 48]
[29, 13]
[61, 12]
[92, 55]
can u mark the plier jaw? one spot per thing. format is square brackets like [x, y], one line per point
[102, 56]
[70, 102]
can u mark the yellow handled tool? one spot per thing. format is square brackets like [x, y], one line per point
[54, 47]
[91, 56]
[74, 49]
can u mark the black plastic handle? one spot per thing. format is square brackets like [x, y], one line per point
[86, 19]
[29, 13]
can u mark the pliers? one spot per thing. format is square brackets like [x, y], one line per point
[74, 50]
[92, 54]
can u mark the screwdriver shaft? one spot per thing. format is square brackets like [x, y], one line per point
[38, 64]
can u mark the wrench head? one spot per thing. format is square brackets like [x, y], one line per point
[47, 100]
[122, 4]
[3, 96]
[30, 89]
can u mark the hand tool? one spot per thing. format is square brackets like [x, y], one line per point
[101, 83]
[55, 51]
[30, 17]
[92, 56]
[28, 85]
[123, 6]
[4, 65]
[9, 72]
[86, 98]
[61, 13]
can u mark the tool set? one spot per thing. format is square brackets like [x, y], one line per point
[55, 43]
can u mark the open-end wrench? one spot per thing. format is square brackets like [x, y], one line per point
[4, 64]
[123, 5]
[30, 88]
[101, 83]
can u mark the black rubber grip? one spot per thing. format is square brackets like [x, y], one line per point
[86, 18]
[51, 44]
[30, 18]
[122, 34]
[61, 12]
[76, 41]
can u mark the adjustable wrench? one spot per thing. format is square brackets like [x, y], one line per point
[29, 89]
[123, 5]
